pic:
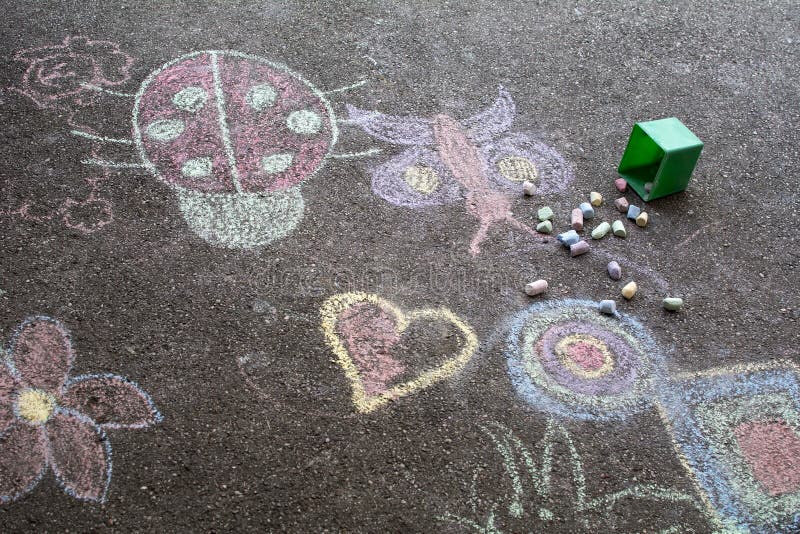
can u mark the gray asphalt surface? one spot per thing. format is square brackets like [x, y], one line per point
[258, 431]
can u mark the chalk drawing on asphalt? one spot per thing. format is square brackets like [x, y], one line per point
[530, 476]
[51, 420]
[363, 330]
[476, 161]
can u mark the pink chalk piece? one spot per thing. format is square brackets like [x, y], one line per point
[586, 356]
[23, 460]
[621, 185]
[79, 455]
[581, 247]
[576, 219]
[110, 401]
[772, 449]
[42, 354]
[370, 333]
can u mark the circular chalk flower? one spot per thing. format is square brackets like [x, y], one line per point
[49, 420]
[72, 70]
[567, 359]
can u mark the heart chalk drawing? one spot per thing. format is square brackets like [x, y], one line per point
[363, 330]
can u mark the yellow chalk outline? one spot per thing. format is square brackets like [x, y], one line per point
[333, 307]
[566, 361]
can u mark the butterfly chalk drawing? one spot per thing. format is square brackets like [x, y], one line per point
[477, 160]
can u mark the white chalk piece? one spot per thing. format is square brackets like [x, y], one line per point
[629, 290]
[595, 199]
[576, 220]
[648, 187]
[528, 188]
[581, 247]
[587, 209]
[601, 230]
[633, 212]
[614, 270]
[536, 288]
[545, 213]
[569, 238]
[618, 227]
[672, 303]
[641, 219]
[544, 227]
[621, 204]
[608, 307]
[621, 185]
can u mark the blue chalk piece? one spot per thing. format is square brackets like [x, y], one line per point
[633, 211]
[569, 238]
[587, 209]
[608, 307]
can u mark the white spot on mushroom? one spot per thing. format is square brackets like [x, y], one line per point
[275, 163]
[190, 99]
[262, 96]
[304, 122]
[165, 130]
[197, 167]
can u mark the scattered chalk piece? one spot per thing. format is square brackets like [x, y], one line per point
[545, 213]
[618, 227]
[581, 247]
[587, 209]
[528, 188]
[608, 307]
[576, 220]
[601, 230]
[621, 185]
[629, 290]
[621, 204]
[641, 219]
[569, 238]
[672, 303]
[614, 270]
[595, 199]
[633, 211]
[648, 186]
[536, 288]
[544, 227]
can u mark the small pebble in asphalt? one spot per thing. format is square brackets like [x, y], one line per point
[577, 220]
[618, 227]
[536, 288]
[595, 198]
[641, 219]
[544, 227]
[545, 213]
[528, 188]
[621, 204]
[581, 247]
[601, 230]
[569, 238]
[629, 290]
[587, 209]
[621, 184]
[633, 211]
[672, 303]
[614, 270]
[609, 307]
[648, 187]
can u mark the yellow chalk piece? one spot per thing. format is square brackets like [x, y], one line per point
[422, 179]
[333, 307]
[629, 290]
[595, 198]
[641, 219]
[518, 169]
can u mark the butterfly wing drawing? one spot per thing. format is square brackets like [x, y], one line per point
[416, 177]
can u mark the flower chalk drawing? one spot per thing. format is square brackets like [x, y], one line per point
[364, 332]
[475, 159]
[48, 419]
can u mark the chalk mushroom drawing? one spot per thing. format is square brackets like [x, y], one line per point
[476, 160]
[532, 481]
[363, 331]
[66, 77]
[736, 430]
[51, 420]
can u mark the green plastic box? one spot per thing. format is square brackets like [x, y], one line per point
[662, 152]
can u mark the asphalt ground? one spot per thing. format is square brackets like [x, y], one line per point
[258, 430]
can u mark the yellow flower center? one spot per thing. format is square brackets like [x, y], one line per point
[35, 405]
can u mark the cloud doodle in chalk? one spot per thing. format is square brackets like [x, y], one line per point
[476, 160]
[51, 420]
[366, 332]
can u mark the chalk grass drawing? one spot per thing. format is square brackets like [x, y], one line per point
[66, 77]
[363, 330]
[531, 480]
[476, 160]
[49, 419]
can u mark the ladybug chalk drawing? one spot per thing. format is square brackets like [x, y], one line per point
[234, 135]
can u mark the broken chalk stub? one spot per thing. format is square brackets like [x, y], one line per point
[648, 187]
[608, 307]
[545, 213]
[621, 204]
[595, 199]
[618, 227]
[629, 290]
[633, 211]
[528, 188]
[587, 209]
[569, 238]
[544, 227]
[536, 288]
[621, 185]
[641, 219]
[581, 247]
[614, 270]
[601, 230]
[672, 303]
[576, 220]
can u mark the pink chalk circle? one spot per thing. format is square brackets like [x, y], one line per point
[224, 121]
[586, 356]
